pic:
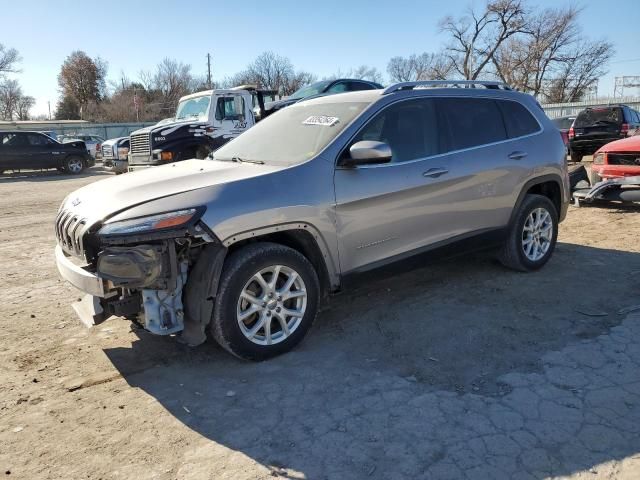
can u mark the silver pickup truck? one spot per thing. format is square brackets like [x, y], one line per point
[248, 243]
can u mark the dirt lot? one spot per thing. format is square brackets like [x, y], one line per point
[459, 369]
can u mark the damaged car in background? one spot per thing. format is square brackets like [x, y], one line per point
[248, 243]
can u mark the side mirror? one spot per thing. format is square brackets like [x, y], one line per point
[368, 152]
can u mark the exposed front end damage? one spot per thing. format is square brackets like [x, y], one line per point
[163, 280]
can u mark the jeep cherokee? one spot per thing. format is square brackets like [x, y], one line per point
[248, 243]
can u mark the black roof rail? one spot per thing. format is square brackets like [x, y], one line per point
[396, 87]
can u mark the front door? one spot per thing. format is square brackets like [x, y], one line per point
[392, 209]
[232, 116]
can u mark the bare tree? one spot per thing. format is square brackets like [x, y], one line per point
[9, 58]
[23, 106]
[552, 59]
[426, 66]
[10, 95]
[477, 36]
[271, 71]
[580, 70]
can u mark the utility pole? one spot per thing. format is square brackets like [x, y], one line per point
[49, 103]
[209, 70]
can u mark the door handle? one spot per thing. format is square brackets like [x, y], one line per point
[435, 172]
[517, 155]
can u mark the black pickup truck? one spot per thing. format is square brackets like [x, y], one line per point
[20, 150]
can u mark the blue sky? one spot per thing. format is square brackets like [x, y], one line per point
[321, 37]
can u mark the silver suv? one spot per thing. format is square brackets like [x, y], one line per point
[248, 243]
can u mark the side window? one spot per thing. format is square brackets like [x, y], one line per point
[472, 122]
[338, 87]
[6, 138]
[409, 128]
[15, 140]
[37, 140]
[230, 108]
[355, 86]
[517, 119]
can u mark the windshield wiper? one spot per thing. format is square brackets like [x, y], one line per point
[242, 160]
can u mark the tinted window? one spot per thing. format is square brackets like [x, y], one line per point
[409, 128]
[517, 119]
[14, 140]
[36, 139]
[472, 121]
[595, 116]
[563, 123]
[338, 87]
[354, 86]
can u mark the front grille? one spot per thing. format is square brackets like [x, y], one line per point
[140, 144]
[69, 230]
[627, 159]
[107, 151]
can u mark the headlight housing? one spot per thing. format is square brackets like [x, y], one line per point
[153, 223]
[598, 159]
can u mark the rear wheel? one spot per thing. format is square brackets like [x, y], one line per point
[576, 157]
[267, 301]
[73, 165]
[532, 235]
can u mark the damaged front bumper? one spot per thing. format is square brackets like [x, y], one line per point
[141, 281]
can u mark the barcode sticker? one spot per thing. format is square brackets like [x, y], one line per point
[321, 120]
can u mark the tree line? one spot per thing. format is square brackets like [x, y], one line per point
[542, 51]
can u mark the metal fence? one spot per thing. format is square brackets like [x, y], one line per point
[104, 130]
[555, 110]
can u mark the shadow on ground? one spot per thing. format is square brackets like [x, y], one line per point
[443, 370]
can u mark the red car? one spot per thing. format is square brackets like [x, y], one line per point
[617, 159]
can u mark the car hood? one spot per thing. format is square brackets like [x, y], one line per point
[631, 144]
[101, 200]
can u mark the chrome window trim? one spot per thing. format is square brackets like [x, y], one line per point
[439, 155]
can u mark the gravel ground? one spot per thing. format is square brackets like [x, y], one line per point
[459, 369]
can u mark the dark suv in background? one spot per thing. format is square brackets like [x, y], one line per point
[597, 126]
[321, 88]
[21, 150]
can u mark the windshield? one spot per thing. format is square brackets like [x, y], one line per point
[193, 108]
[293, 134]
[313, 89]
[593, 116]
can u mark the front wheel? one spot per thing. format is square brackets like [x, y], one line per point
[267, 301]
[73, 165]
[532, 235]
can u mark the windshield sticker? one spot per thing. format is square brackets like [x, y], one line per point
[321, 120]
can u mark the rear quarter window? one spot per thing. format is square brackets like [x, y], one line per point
[517, 119]
[472, 122]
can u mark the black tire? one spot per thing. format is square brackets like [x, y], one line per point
[71, 165]
[512, 254]
[239, 269]
[202, 152]
[576, 157]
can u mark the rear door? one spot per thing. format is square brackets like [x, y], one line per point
[15, 151]
[600, 124]
[486, 164]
